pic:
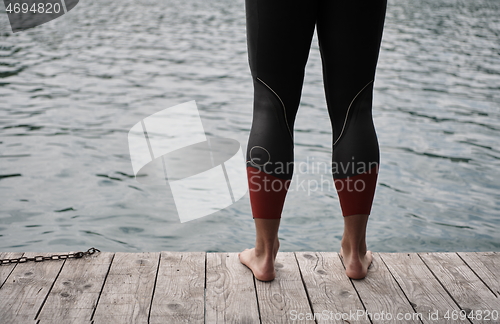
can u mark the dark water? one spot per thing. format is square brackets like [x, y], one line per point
[72, 88]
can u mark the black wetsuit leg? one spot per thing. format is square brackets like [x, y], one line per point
[279, 34]
[349, 35]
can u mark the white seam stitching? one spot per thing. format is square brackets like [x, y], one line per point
[347, 114]
[284, 109]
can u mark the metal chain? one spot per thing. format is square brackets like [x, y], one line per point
[39, 258]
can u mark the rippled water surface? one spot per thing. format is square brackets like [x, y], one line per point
[72, 88]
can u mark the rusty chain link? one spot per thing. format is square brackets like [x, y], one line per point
[39, 258]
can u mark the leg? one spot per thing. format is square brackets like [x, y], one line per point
[261, 258]
[353, 251]
[349, 34]
[279, 34]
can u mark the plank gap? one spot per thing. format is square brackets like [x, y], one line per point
[15, 265]
[399, 285]
[50, 289]
[256, 297]
[354, 286]
[304, 284]
[102, 288]
[435, 276]
[205, 293]
[154, 288]
[472, 269]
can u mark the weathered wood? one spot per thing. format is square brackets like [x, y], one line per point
[330, 291]
[423, 290]
[383, 299]
[468, 291]
[230, 295]
[5, 270]
[128, 289]
[26, 288]
[487, 266]
[169, 287]
[285, 296]
[180, 289]
[76, 290]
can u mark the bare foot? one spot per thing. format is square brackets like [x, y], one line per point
[356, 264]
[262, 265]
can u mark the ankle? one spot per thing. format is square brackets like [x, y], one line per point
[264, 252]
[353, 247]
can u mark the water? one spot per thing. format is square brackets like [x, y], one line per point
[71, 90]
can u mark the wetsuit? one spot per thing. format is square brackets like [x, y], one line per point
[279, 34]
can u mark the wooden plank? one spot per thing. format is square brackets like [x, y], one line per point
[382, 297]
[462, 284]
[128, 289]
[487, 266]
[83, 319]
[5, 270]
[230, 296]
[424, 291]
[25, 290]
[180, 289]
[76, 290]
[230, 291]
[284, 298]
[330, 291]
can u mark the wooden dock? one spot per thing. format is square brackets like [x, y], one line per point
[199, 287]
